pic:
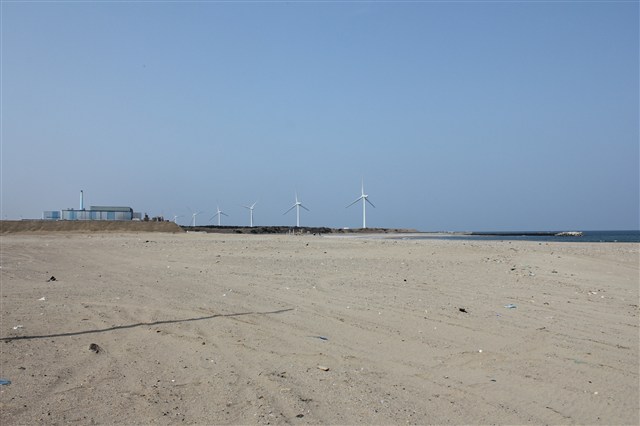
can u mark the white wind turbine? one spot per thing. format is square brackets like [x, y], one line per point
[297, 206]
[193, 216]
[219, 213]
[251, 213]
[175, 217]
[365, 199]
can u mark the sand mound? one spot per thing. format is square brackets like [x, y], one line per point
[44, 226]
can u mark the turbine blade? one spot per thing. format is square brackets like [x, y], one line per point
[369, 202]
[292, 207]
[224, 214]
[305, 208]
[357, 199]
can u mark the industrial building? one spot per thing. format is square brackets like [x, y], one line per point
[93, 213]
[100, 213]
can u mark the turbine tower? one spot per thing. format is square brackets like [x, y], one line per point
[250, 213]
[365, 199]
[219, 213]
[297, 206]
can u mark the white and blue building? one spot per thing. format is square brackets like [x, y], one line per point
[93, 213]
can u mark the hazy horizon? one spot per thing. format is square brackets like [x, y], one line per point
[464, 116]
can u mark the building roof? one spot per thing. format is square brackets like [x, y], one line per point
[111, 209]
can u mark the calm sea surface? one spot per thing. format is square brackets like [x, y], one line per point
[587, 237]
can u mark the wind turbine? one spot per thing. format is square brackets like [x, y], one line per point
[250, 213]
[175, 217]
[297, 206]
[365, 199]
[219, 213]
[193, 218]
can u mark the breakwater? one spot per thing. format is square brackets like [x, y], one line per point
[527, 234]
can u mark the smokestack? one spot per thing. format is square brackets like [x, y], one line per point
[81, 200]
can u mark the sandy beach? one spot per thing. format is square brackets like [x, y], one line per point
[165, 328]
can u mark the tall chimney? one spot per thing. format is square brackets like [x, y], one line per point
[81, 200]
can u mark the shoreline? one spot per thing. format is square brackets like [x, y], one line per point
[45, 226]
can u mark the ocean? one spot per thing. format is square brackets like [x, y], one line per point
[587, 236]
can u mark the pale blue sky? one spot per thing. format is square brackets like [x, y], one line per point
[459, 116]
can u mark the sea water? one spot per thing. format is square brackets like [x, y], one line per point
[587, 237]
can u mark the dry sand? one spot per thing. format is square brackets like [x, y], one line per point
[232, 329]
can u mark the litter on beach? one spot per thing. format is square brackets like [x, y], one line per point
[320, 337]
[510, 306]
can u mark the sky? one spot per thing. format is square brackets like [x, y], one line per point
[501, 115]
